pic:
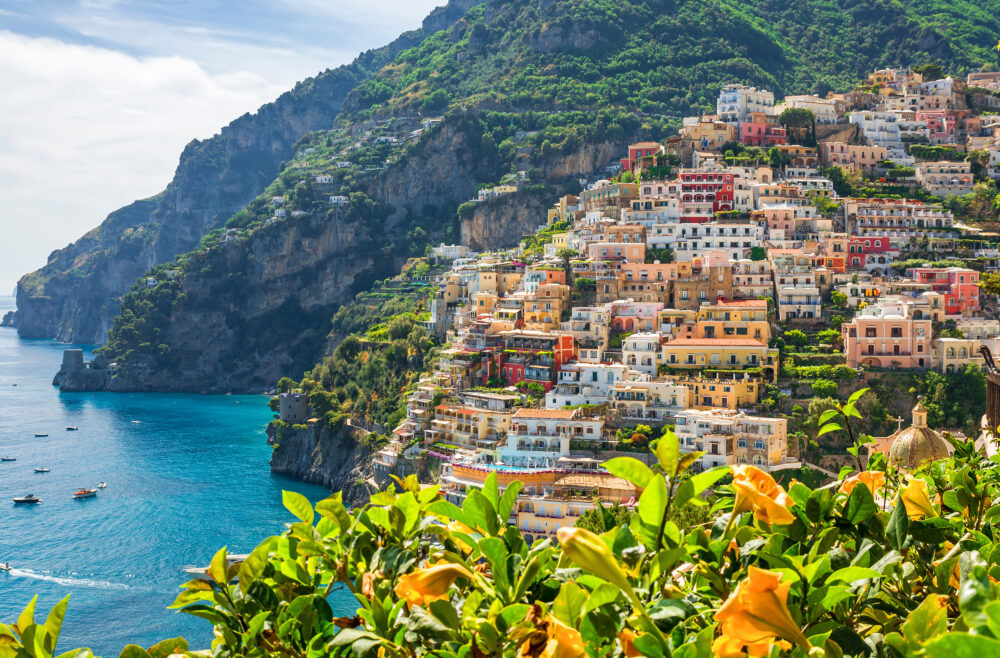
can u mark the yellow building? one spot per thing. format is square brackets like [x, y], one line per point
[734, 319]
[722, 390]
[954, 354]
[468, 426]
[563, 210]
[720, 353]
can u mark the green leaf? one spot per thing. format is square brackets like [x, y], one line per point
[492, 490]
[495, 552]
[827, 416]
[899, 525]
[652, 504]
[667, 613]
[856, 395]
[53, 623]
[298, 505]
[168, 647]
[217, 570]
[860, 505]
[697, 484]
[961, 645]
[569, 603]
[687, 459]
[27, 616]
[648, 645]
[631, 469]
[853, 574]
[668, 450]
[928, 620]
[829, 427]
[511, 615]
[508, 499]
[133, 651]
[604, 594]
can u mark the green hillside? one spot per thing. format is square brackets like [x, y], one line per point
[670, 57]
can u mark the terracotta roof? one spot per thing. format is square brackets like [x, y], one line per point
[715, 342]
[643, 145]
[545, 413]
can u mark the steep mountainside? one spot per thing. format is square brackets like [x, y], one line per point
[534, 92]
[76, 294]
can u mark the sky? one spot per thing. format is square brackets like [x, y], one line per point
[99, 97]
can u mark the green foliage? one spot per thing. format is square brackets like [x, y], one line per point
[824, 388]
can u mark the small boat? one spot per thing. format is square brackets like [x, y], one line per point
[42, 469]
[84, 493]
[30, 499]
[6, 568]
[136, 421]
[40, 434]
[102, 484]
[8, 459]
[230, 561]
[71, 428]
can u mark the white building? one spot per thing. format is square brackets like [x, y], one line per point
[730, 437]
[642, 352]
[802, 303]
[451, 251]
[649, 401]
[824, 110]
[736, 240]
[538, 437]
[882, 129]
[585, 383]
[736, 102]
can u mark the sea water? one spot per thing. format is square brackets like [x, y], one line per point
[186, 474]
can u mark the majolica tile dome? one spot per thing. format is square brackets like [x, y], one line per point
[917, 443]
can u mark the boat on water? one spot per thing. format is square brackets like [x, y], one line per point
[40, 434]
[43, 469]
[8, 459]
[71, 428]
[6, 568]
[102, 484]
[30, 499]
[85, 493]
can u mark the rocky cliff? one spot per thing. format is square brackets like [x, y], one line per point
[75, 296]
[338, 459]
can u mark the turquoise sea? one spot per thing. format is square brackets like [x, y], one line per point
[186, 474]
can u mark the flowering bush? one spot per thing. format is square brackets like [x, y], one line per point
[879, 563]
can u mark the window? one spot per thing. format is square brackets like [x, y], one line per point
[870, 332]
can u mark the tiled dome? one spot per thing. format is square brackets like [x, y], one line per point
[918, 443]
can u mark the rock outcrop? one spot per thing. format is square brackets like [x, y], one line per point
[336, 459]
[9, 319]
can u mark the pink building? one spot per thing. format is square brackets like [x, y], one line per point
[635, 316]
[617, 251]
[760, 129]
[959, 285]
[890, 334]
[851, 156]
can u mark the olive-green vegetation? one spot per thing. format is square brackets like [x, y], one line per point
[727, 562]
[669, 57]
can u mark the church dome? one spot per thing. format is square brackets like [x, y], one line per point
[917, 443]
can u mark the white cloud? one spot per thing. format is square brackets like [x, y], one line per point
[85, 130]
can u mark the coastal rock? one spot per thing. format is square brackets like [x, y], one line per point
[337, 459]
[9, 319]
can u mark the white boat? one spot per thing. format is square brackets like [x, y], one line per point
[102, 484]
[72, 428]
[84, 493]
[40, 434]
[230, 561]
[6, 568]
[8, 459]
[42, 470]
[30, 499]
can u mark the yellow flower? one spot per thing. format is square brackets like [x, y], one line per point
[627, 638]
[871, 479]
[553, 639]
[917, 500]
[591, 554]
[430, 584]
[756, 616]
[757, 491]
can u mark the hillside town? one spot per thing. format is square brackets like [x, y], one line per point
[671, 294]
